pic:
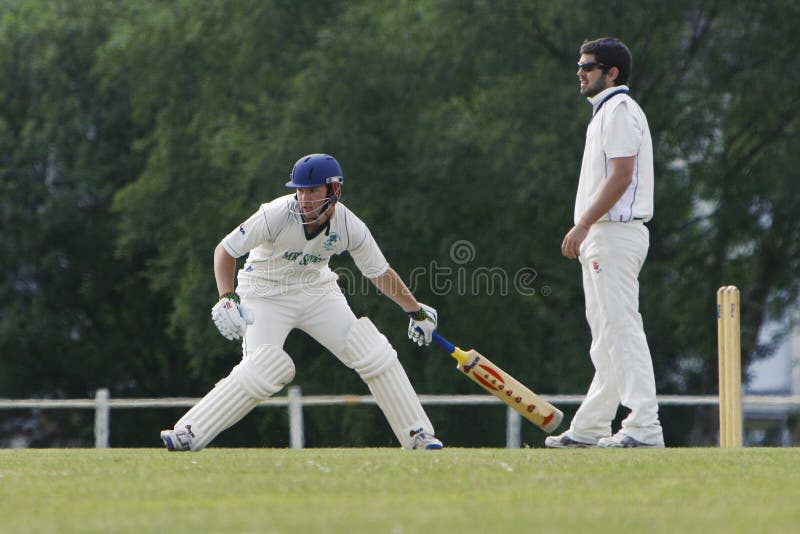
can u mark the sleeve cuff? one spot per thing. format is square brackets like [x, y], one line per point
[230, 249]
[377, 272]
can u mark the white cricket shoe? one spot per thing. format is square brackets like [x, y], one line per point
[565, 441]
[176, 440]
[622, 440]
[425, 441]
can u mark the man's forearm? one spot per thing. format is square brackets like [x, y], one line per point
[611, 191]
[609, 194]
[391, 285]
[224, 270]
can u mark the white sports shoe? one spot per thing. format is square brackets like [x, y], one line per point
[425, 441]
[565, 441]
[622, 440]
[176, 440]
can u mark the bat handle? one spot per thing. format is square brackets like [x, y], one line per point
[442, 342]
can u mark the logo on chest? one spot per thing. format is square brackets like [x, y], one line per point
[330, 242]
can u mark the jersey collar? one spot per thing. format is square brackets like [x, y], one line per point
[600, 98]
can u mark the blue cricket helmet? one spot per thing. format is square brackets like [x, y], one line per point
[314, 170]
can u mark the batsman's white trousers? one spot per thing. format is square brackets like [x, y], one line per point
[319, 310]
[324, 314]
[611, 257]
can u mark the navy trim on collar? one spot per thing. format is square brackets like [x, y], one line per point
[606, 99]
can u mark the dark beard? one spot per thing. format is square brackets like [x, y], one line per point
[593, 89]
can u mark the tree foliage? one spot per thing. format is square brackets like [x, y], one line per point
[134, 137]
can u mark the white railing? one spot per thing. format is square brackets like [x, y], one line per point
[295, 402]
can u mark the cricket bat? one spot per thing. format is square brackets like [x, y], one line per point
[503, 386]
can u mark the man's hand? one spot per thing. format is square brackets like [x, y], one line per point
[571, 246]
[231, 317]
[422, 324]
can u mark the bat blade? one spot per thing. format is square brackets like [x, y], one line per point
[502, 385]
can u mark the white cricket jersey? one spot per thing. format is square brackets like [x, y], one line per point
[618, 129]
[282, 258]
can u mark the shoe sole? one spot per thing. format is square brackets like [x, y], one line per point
[572, 444]
[639, 446]
[629, 443]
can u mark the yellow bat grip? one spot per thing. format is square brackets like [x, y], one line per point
[460, 356]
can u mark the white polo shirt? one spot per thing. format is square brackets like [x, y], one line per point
[282, 258]
[618, 129]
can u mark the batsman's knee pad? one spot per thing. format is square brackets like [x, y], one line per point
[370, 354]
[264, 372]
[367, 350]
[259, 375]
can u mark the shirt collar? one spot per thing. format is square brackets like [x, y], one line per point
[602, 95]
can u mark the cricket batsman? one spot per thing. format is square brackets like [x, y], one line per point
[286, 283]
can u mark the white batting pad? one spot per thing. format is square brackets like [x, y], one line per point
[258, 376]
[367, 350]
[376, 361]
[264, 372]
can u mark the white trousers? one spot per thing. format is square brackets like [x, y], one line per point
[324, 314]
[320, 311]
[611, 257]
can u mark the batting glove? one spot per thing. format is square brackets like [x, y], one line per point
[231, 317]
[422, 324]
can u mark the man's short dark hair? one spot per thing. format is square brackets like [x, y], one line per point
[611, 52]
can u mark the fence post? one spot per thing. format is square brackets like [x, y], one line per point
[296, 437]
[102, 416]
[513, 420]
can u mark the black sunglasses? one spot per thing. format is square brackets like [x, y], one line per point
[591, 65]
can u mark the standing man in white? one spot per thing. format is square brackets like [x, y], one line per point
[614, 200]
[286, 283]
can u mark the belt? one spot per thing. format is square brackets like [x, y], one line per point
[632, 219]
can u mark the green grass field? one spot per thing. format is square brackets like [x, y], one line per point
[394, 491]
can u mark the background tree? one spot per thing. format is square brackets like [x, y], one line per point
[134, 137]
[73, 313]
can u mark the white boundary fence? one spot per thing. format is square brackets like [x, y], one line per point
[294, 401]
